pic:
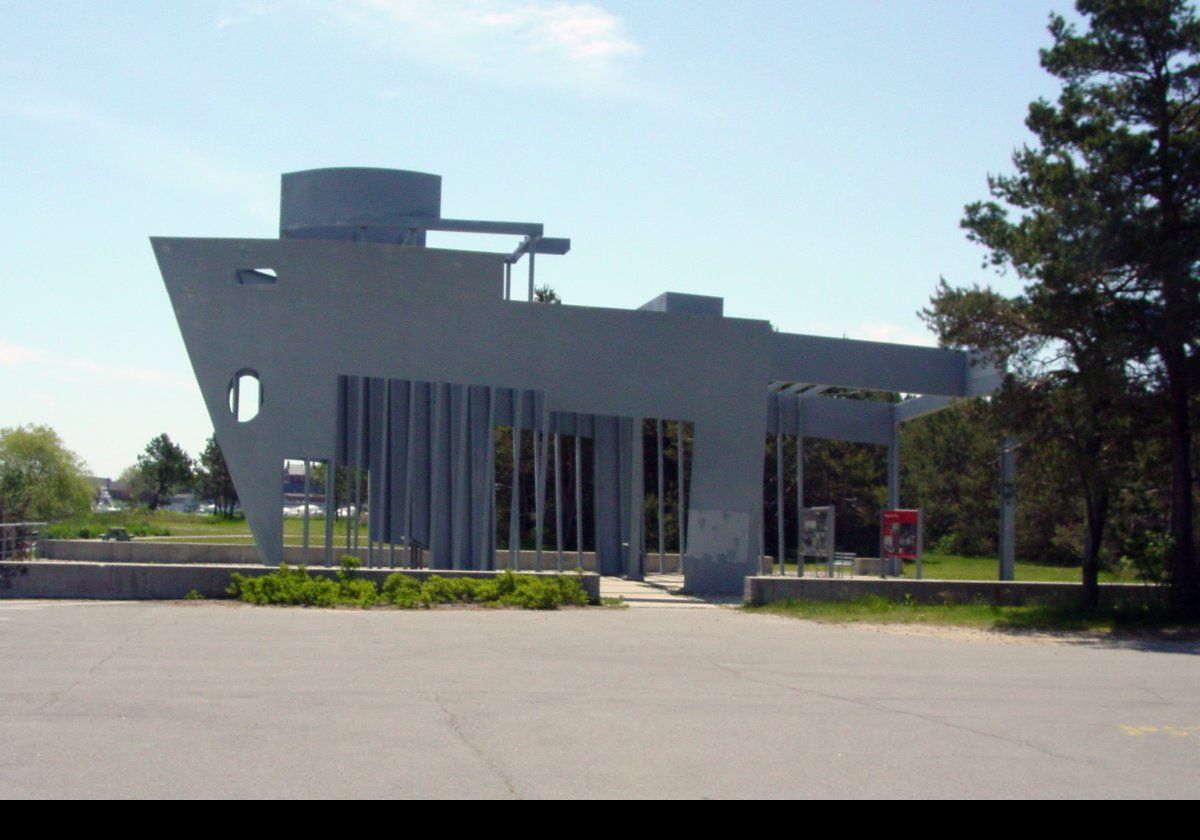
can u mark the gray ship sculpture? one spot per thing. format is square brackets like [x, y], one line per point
[348, 342]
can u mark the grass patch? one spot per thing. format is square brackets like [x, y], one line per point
[294, 586]
[617, 602]
[872, 609]
[960, 567]
[147, 524]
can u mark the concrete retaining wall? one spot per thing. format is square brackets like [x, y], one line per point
[771, 589]
[86, 580]
[137, 551]
[145, 551]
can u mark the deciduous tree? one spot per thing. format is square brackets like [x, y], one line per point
[40, 479]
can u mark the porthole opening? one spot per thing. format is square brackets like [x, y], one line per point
[245, 396]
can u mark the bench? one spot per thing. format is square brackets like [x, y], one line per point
[843, 560]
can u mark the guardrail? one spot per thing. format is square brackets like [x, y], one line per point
[18, 540]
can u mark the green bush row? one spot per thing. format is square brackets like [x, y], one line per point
[294, 586]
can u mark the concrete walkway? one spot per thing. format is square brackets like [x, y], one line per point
[657, 592]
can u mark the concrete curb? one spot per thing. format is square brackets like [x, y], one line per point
[83, 580]
[217, 553]
[768, 589]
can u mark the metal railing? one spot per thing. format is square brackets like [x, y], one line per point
[18, 540]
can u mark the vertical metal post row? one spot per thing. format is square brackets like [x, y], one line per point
[361, 461]
[537, 486]
[389, 527]
[341, 452]
[558, 529]
[352, 525]
[346, 467]
[540, 460]
[508, 281]
[330, 511]
[595, 490]
[799, 485]
[435, 472]
[662, 536]
[489, 544]
[307, 493]
[460, 532]
[408, 475]
[578, 493]
[637, 501]
[514, 507]
[779, 485]
[358, 465]
[680, 491]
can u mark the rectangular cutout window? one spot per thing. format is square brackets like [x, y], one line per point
[257, 276]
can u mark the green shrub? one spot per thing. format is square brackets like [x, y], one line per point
[534, 593]
[294, 586]
[285, 586]
[1145, 555]
[401, 591]
[352, 590]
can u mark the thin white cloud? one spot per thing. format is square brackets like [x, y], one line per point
[872, 331]
[130, 373]
[143, 150]
[77, 367]
[15, 355]
[547, 43]
[880, 331]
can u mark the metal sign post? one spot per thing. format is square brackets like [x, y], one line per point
[1008, 509]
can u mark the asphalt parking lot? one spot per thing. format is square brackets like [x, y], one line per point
[221, 700]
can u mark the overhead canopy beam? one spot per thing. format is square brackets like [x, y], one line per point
[877, 365]
[533, 243]
[806, 388]
[469, 226]
[915, 407]
[555, 246]
[831, 418]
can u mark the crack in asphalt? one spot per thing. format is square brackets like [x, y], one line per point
[880, 707]
[456, 728]
[57, 696]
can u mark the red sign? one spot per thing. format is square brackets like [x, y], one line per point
[901, 534]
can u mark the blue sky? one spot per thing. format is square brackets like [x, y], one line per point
[808, 161]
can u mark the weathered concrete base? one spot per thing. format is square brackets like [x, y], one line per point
[84, 580]
[870, 566]
[772, 589]
[146, 551]
[717, 577]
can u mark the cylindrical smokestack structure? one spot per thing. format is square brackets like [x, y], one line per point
[357, 203]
